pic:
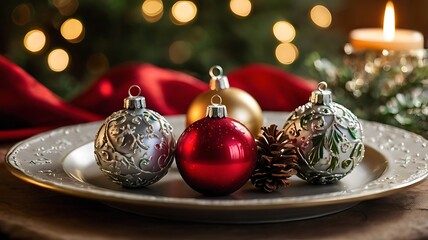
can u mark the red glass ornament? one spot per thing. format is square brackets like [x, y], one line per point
[216, 156]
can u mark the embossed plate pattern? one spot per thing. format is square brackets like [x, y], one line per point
[62, 160]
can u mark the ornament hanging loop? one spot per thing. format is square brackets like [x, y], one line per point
[219, 98]
[218, 81]
[216, 110]
[218, 68]
[322, 86]
[134, 101]
[132, 87]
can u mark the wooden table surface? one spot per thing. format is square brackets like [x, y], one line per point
[31, 212]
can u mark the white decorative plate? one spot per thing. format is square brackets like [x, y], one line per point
[63, 160]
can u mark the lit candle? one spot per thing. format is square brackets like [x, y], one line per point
[389, 38]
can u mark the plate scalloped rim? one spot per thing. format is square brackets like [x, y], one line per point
[36, 160]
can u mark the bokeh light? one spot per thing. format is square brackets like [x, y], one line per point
[240, 8]
[286, 53]
[97, 63]
[284, 31]
[34, 40]
[152, 10]
[72, 30]
[321, 16]
[66, 7]
[58, 60]
[180, 52]
[183, 12]
[21, 15]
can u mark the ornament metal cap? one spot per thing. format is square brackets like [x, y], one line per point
[218, 82]
[321, 96]
[216, 110]
[134, 101]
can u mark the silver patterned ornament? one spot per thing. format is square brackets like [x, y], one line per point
[134, 146]
[327, 136]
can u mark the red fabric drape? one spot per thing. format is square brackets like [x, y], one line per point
[27, 107]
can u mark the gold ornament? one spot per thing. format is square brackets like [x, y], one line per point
[240, 105]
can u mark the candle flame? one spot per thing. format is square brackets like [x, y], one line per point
[389, 22]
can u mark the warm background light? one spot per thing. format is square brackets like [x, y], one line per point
[34, 40]
[152, 10]
[66, 7]
[321, 16]
[284, 31]
[58, 60]
[180, 52]
[389, 22]
[97, 63]
[72, 30]
[240, 8]
[286, 53]
[184, 12]
[21, 15]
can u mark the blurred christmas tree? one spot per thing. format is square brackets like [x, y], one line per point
[66, 44]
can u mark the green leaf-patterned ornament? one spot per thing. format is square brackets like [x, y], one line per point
[327, 136]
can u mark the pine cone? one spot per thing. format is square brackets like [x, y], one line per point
[276, 160]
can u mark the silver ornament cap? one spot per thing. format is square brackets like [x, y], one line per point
[322, 95]
[134, 101]
[327, 136]
[134, 146]
[218, 81]
[216, 110]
